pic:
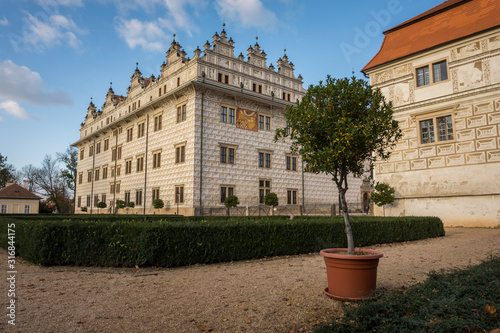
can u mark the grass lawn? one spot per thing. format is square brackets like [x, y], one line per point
[459, 301]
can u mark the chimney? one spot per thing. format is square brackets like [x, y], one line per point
[25, 184]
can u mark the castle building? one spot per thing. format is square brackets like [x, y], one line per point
[441, 70]
[200, 131]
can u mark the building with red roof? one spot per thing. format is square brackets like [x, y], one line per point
[15, 199]
[441, 70]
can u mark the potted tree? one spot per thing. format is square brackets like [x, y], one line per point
[338, 128]
[230, 201]
[271, 199]
[383, 194]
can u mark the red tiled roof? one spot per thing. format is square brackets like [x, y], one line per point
[449, 21]
[14, 191]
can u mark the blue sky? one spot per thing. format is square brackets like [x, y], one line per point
[57, 54]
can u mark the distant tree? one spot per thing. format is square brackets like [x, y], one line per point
[7, 172]
[271, 199]
[131, 204]
[383, 194]
[101, 205]
[158, 204]
[338, 127]
[52, 186]
[44, 208]
[27, 173]
[231, 201]
[70, 160]
[120, 204]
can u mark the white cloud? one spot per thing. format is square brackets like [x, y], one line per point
[43, 32]
[4, 21]
[20, 84]
[147, 35]
[14, 109]
[248, 13]
[151, 35]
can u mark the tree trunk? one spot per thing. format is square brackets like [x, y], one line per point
[348, 229]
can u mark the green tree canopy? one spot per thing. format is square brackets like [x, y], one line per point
[231, 201]
[339, 127]
[120, 204]
[158, 204]
[383, 194]
[6, 172]
[271, 199]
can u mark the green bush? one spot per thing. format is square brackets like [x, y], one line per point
[170, 242]
[445, 302]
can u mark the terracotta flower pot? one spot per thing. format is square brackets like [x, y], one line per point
[350, 277]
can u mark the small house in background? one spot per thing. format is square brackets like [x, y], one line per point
[15, 199]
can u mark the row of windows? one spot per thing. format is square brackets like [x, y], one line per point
[227, 115]
[227, 156]
[429, 133]
[155, 194]
[224, 78]
[225, 191]
[4, 209]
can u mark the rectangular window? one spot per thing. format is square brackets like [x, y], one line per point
[140, 130]
[223, 78]
[27, 209]
[106, 144]
[130, 134]
[104, 172]
[120, 153]
[180, 154]
[127, 197]
[257, 88]
[264, 188]
[423, 76]
[291, 197]
[264, 160]
[223, 114]
[286, 96]
[4, 209]
[159, 92]
[178, 81]
[98, 148]
[89, 176]
[444, 132]
[287, 128]
[80, 178]
[440, 71]
[227, 154]
[88, 200]
[96, 200]
[427, 131]
[113, 154]
[268, 123]
[128, 167]
[181, 113]
[155, 194]
[82, 154]
[231, 116]
[140, 164]
[91, 151]
[156, 160]
[138, 197]
[226, 191]
[291, 163]
[79, 202]
[96, 174]
[103, 197]
[261, 122]
[179, 194]
[158, 123]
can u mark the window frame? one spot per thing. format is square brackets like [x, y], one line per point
[157, 122]
[292, 196]
[180, 153]
[434, 116]
[227, 148]
[432, 77]
[264, 189]
[181, 113]
[179, 198]
[291, 162]
[156, 159]
[228, 190]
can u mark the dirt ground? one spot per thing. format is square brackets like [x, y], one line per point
[283, 294]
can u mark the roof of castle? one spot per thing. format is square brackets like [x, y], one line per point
[450, 21]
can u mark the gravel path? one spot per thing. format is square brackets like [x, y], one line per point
[283, 294]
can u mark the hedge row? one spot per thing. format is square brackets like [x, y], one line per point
[178, 243]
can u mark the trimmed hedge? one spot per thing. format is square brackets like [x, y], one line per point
[170, 243]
